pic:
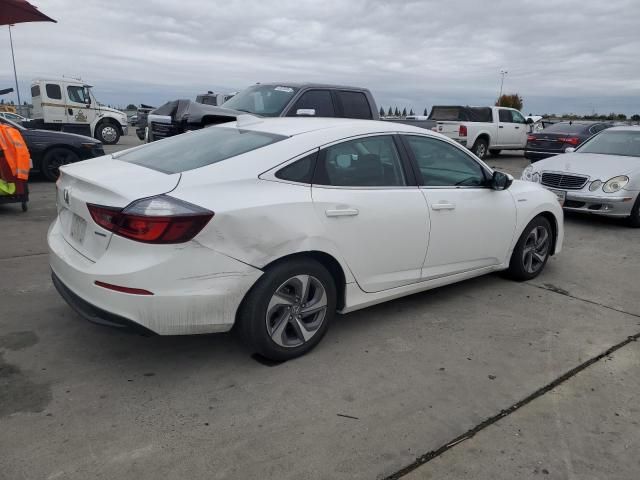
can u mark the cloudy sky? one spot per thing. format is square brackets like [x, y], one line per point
[562, 55]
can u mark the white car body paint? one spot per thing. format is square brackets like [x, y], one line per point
[386, 251]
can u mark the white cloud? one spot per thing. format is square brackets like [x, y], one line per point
[570, 55]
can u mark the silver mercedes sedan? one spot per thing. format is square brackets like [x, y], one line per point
[602, 176]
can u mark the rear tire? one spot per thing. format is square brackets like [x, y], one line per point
[108, 132]
[480, 148]
[494, 152]
[54, 159]
[634, 219]
[289, 309]
[532, 251]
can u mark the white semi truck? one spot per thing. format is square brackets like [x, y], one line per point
[68, 105]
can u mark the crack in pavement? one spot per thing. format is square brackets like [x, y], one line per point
[427, 457]
[24, 256]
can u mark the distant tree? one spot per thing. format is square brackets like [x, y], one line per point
[635, 118]
[621, 117]
[381, 112]
[411, 112]
[397, 112]
[425, 111]
[131, 106]
[390, 113]
[404, 112]
[512, 100]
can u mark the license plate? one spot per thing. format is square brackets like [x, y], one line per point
[78, 228]
[561, 194]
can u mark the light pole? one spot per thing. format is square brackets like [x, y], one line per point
[503, 73]
[15, 75]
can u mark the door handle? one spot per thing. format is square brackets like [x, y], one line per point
[443, 206]
[517, 128]
[500, 126]
[70, 111]
[342, 212]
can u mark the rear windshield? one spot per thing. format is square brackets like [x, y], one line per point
[565, 127]
[614, 142]
[264, 100]
[461, 114]
[197, 149]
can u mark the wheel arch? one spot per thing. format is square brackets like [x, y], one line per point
[326, 260]
[111, 120]
[553, 221]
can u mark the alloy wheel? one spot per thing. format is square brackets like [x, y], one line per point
[536, 249]
[296, 311]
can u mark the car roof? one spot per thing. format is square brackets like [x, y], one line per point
[310, 85]
[291, 126]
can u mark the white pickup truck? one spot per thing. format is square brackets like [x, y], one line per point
[482, 130]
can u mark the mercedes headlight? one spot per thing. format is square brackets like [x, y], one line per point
[614, 184]
[535, 177]
[527, 174]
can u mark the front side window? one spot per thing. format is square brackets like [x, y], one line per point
[444, 165]
[354, 104]
[517, 117]
[35, 91]
[78, 94]
[53, 91]
[264, 100]
[198, 149]
[318, 100]
[365, 162]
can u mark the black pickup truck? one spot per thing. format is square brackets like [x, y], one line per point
[265, 100]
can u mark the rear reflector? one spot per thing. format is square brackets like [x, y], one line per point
[161, 219]
[119, 288]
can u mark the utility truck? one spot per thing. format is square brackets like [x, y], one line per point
[69, 105]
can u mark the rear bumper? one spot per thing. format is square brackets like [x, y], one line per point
[535, 155]
[195, 289]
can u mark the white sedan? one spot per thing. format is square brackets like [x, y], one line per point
[601, 177]
[274, 225]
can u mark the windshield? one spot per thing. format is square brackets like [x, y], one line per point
[616, 142]
[10, 123]
[263, 100]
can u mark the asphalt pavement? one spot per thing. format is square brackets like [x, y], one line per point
[483, 379]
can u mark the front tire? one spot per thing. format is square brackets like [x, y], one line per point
[480, 148]
[634, 219]
[532, 251]
[54, 159]
[288, 311]
[108, 133]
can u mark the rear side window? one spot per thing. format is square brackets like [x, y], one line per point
[354, 104]
[300, 171]
[318, 100]
[198, 149]
[35, 91]
[364, 162]
[505, 116]
[53, 91]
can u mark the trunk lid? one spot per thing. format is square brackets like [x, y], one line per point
[102, 181]
[449, 128]
[549, 141]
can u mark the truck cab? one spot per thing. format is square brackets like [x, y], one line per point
[69, 105]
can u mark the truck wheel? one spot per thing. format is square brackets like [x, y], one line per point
[108, 133]
[495, 152]
[54, 159]
[480, 148]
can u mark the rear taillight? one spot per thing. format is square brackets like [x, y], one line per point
[570, 140]
[532, 138]
[161, 219]
[462, 131]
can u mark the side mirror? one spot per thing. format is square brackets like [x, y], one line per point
[501, 181]
[569, 150]
[307, 112]
[529, 120]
